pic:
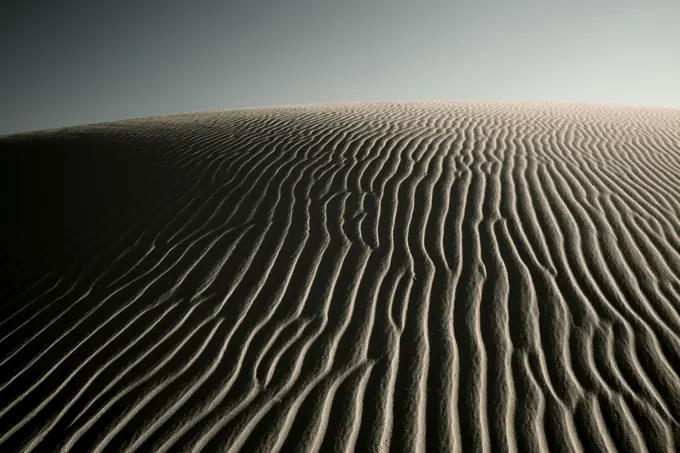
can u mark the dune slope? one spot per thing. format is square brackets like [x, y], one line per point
[405, 276]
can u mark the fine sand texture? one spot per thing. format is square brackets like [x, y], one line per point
[369, 277]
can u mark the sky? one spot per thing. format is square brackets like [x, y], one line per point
[74, 62]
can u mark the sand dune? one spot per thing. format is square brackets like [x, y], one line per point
[406, 276]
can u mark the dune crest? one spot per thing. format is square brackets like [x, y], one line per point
[397, 276]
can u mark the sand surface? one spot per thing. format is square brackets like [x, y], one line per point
[403, 277]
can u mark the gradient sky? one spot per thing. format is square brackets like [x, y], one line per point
[75, 62]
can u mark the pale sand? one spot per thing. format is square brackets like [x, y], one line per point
[411, 276]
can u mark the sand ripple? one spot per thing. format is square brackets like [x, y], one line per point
[407, 276]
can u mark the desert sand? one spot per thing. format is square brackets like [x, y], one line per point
[369, 277]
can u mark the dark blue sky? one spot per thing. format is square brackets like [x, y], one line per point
[75, 62]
